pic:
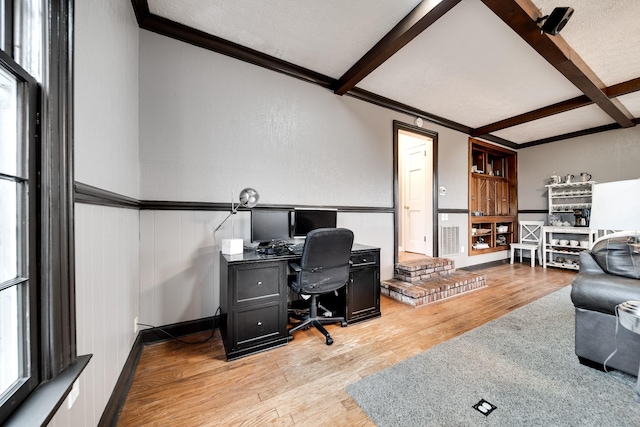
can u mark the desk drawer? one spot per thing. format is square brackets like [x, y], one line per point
[257, 324]
[362, 259]
[256, 282]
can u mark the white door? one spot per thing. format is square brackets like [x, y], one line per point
[415, 183]
[415, 179]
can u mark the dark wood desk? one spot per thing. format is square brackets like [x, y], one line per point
[254, 294]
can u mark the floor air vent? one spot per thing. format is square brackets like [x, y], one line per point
[449, 240]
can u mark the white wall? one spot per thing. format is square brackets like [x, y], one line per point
[607, 156]
[106, 96]
[211, 125]
[106, 156]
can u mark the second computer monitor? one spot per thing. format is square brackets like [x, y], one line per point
[269, 224]
[305, 220]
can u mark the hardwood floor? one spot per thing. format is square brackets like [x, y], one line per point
[302, 383]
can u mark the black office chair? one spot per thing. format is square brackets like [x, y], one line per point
[324, 268]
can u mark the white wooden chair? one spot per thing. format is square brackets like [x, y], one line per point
[530, 240]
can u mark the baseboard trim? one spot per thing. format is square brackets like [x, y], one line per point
[150, 336]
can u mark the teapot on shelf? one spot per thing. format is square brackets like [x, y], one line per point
[555, 179]
[584, 176]
[569, 178]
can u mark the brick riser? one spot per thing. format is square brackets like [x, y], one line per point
[423, 269]
[428, 280]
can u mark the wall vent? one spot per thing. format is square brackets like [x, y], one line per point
[449, 240]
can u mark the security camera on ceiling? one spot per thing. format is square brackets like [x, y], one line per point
[554, 22]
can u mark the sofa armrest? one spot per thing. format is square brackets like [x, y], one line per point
[602, 292]
[588, 264]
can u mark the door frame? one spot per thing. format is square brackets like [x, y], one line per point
[397, 126]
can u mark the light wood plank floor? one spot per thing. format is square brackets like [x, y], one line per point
[302, 383]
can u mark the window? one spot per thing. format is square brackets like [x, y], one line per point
[37, 310]
[18, 273]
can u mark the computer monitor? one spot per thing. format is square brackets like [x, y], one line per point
[269, 224]
[306, 220]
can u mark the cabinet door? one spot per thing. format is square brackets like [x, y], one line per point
[502, 198]
[482, 194]
[363, 293]
[473, 194]
[486, 194]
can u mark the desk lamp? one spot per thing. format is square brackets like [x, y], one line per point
[248, 199]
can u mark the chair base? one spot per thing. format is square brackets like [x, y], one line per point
[316, 321]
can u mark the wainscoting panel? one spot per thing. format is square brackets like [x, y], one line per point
[179, 276]
[107, 301]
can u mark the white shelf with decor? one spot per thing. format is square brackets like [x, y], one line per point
[561, 246]
[570, 196]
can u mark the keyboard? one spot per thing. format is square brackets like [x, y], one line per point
[296, 248]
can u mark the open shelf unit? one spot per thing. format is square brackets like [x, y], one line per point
[567, 197]
[563, 255]
[492, 233]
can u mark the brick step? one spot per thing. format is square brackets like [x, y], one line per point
[417, 270]
[432, 289]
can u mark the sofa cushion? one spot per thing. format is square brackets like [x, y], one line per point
[617, 256]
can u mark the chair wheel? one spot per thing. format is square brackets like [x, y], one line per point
[343, 323]
[329, 340]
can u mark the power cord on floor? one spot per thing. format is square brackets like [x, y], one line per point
[604, 365]
[209, 338]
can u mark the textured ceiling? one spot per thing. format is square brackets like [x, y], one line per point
[478, 74]
[606, 35]
[325, 36]
[468, 67]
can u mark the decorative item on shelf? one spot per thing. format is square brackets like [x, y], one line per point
[248, 199]
[555, 179]
[584, 176]
[501, 240]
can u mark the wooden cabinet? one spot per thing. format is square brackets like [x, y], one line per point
[493, 200]
[489, 195]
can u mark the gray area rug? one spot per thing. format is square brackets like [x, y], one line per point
[523, 363]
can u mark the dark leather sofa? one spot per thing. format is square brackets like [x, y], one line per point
[609, 275]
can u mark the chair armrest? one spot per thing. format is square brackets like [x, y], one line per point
[295, 267]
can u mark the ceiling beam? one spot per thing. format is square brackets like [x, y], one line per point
[614, 91]
[540, 113]
[623, 88]
[419, 19]
[521, 16]
[570, 135]
[163, 26]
